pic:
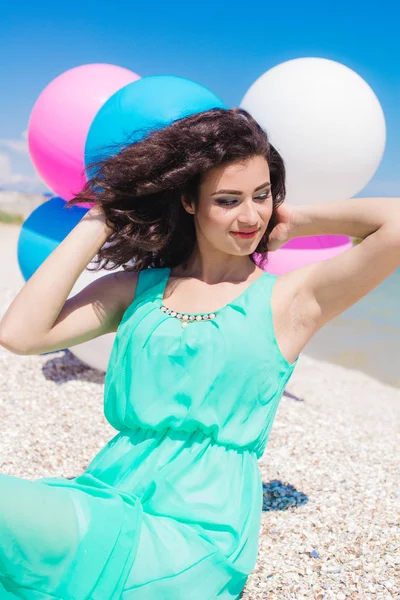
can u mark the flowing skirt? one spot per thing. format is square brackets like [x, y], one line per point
[164, 515]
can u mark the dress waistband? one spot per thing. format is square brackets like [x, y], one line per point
[188, 438]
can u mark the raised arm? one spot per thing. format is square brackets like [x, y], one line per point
[40, 318]
[330, 287]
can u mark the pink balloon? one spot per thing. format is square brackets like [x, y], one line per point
[60, 121]
[303, 251]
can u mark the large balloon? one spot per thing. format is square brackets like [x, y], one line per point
[43, 230]
[326, 122]
[151, 103]
[60, 121]
[303, 251]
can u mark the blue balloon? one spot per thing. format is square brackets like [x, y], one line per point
[148, 104]
[43, 230]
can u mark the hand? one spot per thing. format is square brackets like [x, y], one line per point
[282, 232]
[96, 213]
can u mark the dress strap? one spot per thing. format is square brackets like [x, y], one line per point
[149, 284]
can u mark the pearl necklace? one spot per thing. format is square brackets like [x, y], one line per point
[187, 318]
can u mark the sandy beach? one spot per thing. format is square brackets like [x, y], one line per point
[333, 448]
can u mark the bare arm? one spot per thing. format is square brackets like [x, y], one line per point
[356, 217]
[330, 287]
[41, 318]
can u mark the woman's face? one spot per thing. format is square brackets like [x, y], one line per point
[234, 198]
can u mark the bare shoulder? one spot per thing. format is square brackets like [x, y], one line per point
[294, 313]
[126, 282]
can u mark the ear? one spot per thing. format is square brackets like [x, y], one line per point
[188, 203]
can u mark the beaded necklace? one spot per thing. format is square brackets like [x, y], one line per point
[187, 318]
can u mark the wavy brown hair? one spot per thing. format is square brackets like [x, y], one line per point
[140, 187]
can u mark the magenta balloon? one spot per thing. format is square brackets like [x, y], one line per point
[303, 251]
[315, 242]
[60, 121]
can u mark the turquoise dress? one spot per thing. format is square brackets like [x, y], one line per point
[170, 508]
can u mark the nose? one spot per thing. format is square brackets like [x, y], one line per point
[248, 217]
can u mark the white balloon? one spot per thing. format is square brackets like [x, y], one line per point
[325, 121]
[95, 353]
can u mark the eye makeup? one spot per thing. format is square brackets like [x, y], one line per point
[229, 202]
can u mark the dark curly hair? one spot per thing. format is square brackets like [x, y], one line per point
[140, 186]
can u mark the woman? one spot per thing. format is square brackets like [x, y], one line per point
[205, 343]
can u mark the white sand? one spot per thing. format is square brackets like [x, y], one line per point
[339, 447]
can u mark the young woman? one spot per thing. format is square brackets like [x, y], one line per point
[205, 344]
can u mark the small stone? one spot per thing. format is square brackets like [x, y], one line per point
[333, 569]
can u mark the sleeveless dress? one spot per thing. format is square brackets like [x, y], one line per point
[170, 508]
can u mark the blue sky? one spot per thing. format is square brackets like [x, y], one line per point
[224, 46]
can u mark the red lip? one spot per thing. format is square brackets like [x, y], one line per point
[244, 232]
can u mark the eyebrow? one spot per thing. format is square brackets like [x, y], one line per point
[267, 183]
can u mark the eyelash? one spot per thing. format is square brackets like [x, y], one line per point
[230, 202]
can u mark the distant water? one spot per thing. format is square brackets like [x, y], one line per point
[366, 336]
